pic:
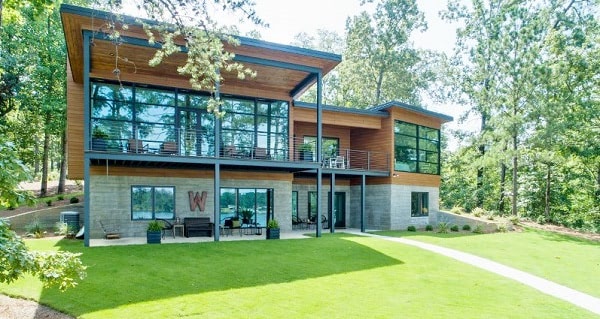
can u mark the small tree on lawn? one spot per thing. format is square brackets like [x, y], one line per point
[57, 268]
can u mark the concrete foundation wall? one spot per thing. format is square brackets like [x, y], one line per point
[110, 200]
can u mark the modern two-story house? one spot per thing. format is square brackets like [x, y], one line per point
[146, 146]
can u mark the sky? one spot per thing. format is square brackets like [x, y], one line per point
[286, 18]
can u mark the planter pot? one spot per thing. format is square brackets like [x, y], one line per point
[99, 144]
[153, 237]
[306, 156]
[272, 233]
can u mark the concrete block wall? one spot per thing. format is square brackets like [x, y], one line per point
[110, 200]
[303, 190]
[401, 206]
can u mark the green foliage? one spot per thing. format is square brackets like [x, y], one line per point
[411, 228]
[457, 210]
[74, 200]
[478, 229]
[466, 227]
[59, 268]
[429, 227]
[272, 224]
[12, 173]
[502, 228]
[478, 212]
[154, 226]
[61, 228]
[454, 228]
[49, 202]
[443, 227]
[514, 220]
[60, 197]
[35, 228]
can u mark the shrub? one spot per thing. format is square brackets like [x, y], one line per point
[490, 216]
[502, 228]
[35, 229]
[457, 210]
[429, 228]
[443, 227]
[454, 228]
[478, 212]
[60, 197]
[514, 220]
[541, 219]
[61, 228]
[273, 224]
[478, 229]
[154, 226]
[74, 200]
[466, 227]
[411, 228]
[49, 202]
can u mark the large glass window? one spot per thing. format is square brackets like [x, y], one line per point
[151, 202]
[295, 205]
[416, 148]
[249, 124]
[253, 204]
[419, 204]
[173, 121]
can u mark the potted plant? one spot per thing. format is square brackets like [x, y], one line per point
[305, 151]
[272, 229]
[153, 232]
[246, 216]
[99, 139]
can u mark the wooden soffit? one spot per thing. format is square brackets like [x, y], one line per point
[281, 69]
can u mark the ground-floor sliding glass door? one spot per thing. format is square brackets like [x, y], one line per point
[253, 204]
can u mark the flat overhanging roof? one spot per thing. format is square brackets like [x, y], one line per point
[281, 69]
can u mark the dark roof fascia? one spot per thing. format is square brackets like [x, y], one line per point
[412, 108]
[340, 109]
[87, 12]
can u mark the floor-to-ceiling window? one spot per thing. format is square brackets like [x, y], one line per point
[330, 146]
[251, 203]
[135, 118]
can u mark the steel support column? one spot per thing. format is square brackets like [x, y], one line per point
[217, 177]
[332, 208]
[362, 202]
[319, 151]
[86, 138]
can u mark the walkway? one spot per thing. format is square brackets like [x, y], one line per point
[575, 297]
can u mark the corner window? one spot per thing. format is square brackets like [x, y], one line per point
[416, 148]
[419, 204]
[152, 202]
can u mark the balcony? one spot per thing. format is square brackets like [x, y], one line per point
[254, 149]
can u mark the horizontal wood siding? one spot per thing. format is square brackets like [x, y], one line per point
[403, 178]
[326, 181]
[380, 142]
[338, 118]
[75, 125]
[186, 173]
[416, 118]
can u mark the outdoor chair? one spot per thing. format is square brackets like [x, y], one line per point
[260, 153]
[230, 224]
[109, 232]
[168, 148]
[230, 151]
[337, 162]
[167, 226]
[136, 146]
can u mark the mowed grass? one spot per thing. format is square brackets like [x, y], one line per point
[337, 276]
[567, 260]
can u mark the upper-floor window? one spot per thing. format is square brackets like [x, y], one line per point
[140, 119]
[330, 146]
[416, 148]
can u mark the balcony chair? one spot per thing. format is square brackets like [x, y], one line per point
[260, 153]
[168, 148]
[230, 151]
[136, 146]
[337, 162]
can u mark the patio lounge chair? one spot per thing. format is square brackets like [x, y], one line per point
[110, 232]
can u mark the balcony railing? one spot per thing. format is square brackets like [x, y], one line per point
[243, 147]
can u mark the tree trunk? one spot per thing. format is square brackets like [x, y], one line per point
[547, 199]
[379, 83]
[502, 187]
[480, 168]
[515, 184]
[63, 162]
[46, 151]
[36, 157]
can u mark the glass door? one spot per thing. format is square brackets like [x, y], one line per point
[196, 132]
[339, 210]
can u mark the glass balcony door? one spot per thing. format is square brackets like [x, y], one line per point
[196, 132]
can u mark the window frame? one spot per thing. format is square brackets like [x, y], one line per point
[153, 201]
[419, 151]
[421, 205]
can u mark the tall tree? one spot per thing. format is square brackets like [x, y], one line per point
[380, 62]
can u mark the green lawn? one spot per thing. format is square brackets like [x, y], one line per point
[567, 260]
[337, 276]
